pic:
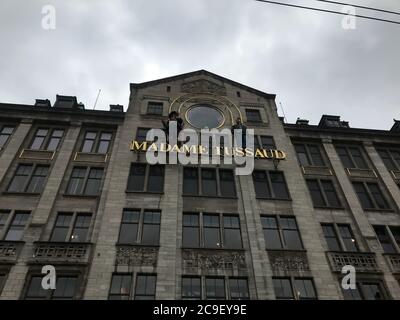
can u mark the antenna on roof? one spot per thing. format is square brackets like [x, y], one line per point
[97, 98]
[283, 111]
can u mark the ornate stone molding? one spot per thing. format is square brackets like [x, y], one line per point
[136, 256]
[394, 262]
[361, 261]
[213, 259]
[61, 252]
[203, 86]
[9, 251]
[283, 260]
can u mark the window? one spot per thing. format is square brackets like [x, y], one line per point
[141, 134]
[265, 142]
[390, 157]
[145, 287]
[155, 108]
[216, 231]
[323, 193]
[270, 184]
[309, 154]
[253, 115]
[2, 281]
[239, 289]
[281, 233]
[47, 139]
[351, 157]
[389, 238]
[85, 181]
[120, 287]
[370, 196]
[213, 182]
[339, 237]
[4, 215]
[191, 288]
[140, 228]
[29, 178]
[215, 288]
[96, 142]
[137, 181]
[5, 134]
[71, 227]
[294, 288]
[17, 227]
[365, 290]
[66, 288]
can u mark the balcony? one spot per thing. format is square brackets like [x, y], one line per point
[394, 261]
[362, 261]
[91, 157]
[217, 259]
[61, 252]
[361, 173]
[136, 255]
[314, 170]
[288, 260]
[9, 251]
[37, 154]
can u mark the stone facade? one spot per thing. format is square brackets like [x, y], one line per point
[95, 260]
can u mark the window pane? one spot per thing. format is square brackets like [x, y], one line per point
[141, 134]
[94, 182]
[363, 196]
[77, 180]
[330, 193]
[378, 196]
[129, 227]
[279, 185]
[290, 233]
[331, 238]
[261, 186]
[232, 236]
[253, 115]
[145, 287]
[3, 218]
[282, 288]
[38, 140]
[20, 178]
[151, 228]
[316, 155]
[17, 227]
[302, 155]
[35, 290]
[37, 182]
[316, 194]
[239, 289]
[305, 289]
[267, 142]
[384, 239]
[344, 157]
[352, 294]
[156, 179]
[155, 108]
[396, 234]
[191, 288]
[65, 288]
[120, 287]
[61, 227]
[358, 158]
[348, 238]
[136, 177]
[215, 288]
[190, 181]
[211, 231]
[271, 233]
[89, 141]
[208, 182]
[227, 183]
[371, 291]
[81, 228]
[191, 238]
[387, 160]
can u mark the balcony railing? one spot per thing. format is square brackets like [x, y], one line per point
[316, 170]
[91, 157]
[61, 252]
[207, 259]
[136, 255]
[361, 173]
[288, 260]
[37, 154]
[361, 261]
[394, 261]
[9, 251]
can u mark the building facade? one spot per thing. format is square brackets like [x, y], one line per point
[74, 195]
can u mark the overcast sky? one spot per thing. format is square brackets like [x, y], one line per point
[306, 58]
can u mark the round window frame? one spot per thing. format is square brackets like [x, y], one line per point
[209, 106]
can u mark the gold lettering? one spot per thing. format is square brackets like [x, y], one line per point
[249, 152]
[165, 147]
[259, 154]
[280, 155]
[135, 146]
[153, 147]
[188, 149]
[202, 150]
[175, 148]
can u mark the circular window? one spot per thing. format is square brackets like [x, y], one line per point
[204, 116]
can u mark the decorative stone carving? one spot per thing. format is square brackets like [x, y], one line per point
[213, 259]
[9, 251]
[136, 256]
[67, 252]
[363, 262]
[394, 262]
[203, 86]
[288, 261]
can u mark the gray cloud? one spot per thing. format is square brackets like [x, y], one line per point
[306, 58]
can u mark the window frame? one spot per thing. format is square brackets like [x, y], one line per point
[9, 223]
[133, 284]
[72, 226]
[145, 187]
[86, 178]
[44, 146]
[6, 135]
[97, 141]
[309, 155]
[29, 177]
[270, 185]
[259, 142]
[389, 234]
[151, 105]
[389, 151]
[325, 198]
[360, 283]
[365, 184]
[363, 156]
[339, 237]
[294, 289]
[252, 119]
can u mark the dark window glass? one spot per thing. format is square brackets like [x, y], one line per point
[65, 288]
[283, 288]
[191, 236]
[81, 228]
[151, 228]
[261, 186]
[120, 287]
[211, 231]
[37, 181]
[271, 233]
[331, 237]
[371, 291]
[305, 289]
[253, 115]
[20, 179]
[267, 142]
[39, 138]
[290, 233]
[104, 143]
[55, 139]
[17, 227]
[302, 155]
[227, 183]
[384, 239]
[60, 231]
[330, 193]
[4, 214]
[363, 195]
[89, 141]
[136, 177]
[155, 108]
[209, 182]
[395, 232]
[145, 287]
[316, 156]
[190, 181]
[141, 134]
[156, 179]
[387, 159]
[279, 185]
[345, 157]
[316, 194]
[378, 196]
[129, 226]
[239, 289]
[348, 238]
[94, 182]
[5, 134]
[35, 290]
[2, 281]
[77, 181]
[191, 288]
[232, 236]
[215, 288]
[352, 294]
[358, 158]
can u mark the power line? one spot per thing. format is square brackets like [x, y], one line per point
[329, 11]
[358, 6]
